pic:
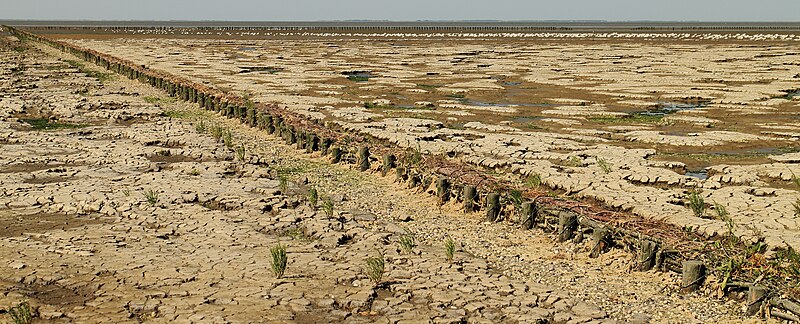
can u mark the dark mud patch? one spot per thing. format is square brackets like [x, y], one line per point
[171, 158]
[13, 225]
[32, 167]
[165, 144]
[45, 180]
[54, 294]
[46, 124]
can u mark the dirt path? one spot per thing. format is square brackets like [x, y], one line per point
[81, 241]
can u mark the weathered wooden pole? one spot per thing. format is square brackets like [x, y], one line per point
[388, 163]
[567, 223]
[443, 189]
[647, 254]
[301, 139]
[312, 142]
[693, 275]
[336, 155]
[363, 158]
[755, 299]
[413, 181]
[268, 124]
[470, 196]
[326, 145]
[528, 214]
[599, 242]
[493, 207]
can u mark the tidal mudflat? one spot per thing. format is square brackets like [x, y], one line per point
[636, 121]
[123, 204]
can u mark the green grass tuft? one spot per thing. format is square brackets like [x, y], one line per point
[533, 181]
[449, 249]
[279, 260]
[375, 268]
[151, 197]
[48, 125]
[696, 203]
[603, 164]
[407, 243]
[327, 206]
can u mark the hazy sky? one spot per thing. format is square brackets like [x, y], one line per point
[289, 10]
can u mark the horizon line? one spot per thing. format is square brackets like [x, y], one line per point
[408, 21]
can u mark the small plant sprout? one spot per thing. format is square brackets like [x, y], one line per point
[375, 268]
[21, 313]
[449, 249]
[574, 162]
[200, 127]
[327, 206]
[796, 205]
[283, 184]
[604, 165]
[407, 243]
[126, 192]
[313, 196]
[227, 138]
[216, 132]
[151, 196]
[533, 181]
[240, 152]
[194, 172]
[697, 203]
[796, 181]
[278, 253]
[723, 215]
[516, 198]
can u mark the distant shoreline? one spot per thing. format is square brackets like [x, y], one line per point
[592, 25]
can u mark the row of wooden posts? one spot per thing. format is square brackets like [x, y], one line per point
[566, 224]
[443, 28]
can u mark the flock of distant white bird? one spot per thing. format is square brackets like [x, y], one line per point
[698, 36]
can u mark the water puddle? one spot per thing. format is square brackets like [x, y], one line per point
[268, 69]
[492, 104]
[666, 108]
[699, 174]
[358, 76]
[526, 119]
[791, 94]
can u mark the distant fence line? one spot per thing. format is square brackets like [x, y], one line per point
[417, 28]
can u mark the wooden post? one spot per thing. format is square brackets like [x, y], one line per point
[400, 174]
[326, 145]
[755, 299]
[301, 140]
[599, 242]
[567, 223]
[336, 155]
[694, 273]
[493, 207]
[388, 163]
[413, 181]
[268, 124]
[363, 158]
[313, 143]
[292, 135]
[443, 189]
[251, 116]
[470, 197]
[528, 214]
[647, 254]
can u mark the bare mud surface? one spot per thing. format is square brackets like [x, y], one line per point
[634, 121]
[117, 207]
